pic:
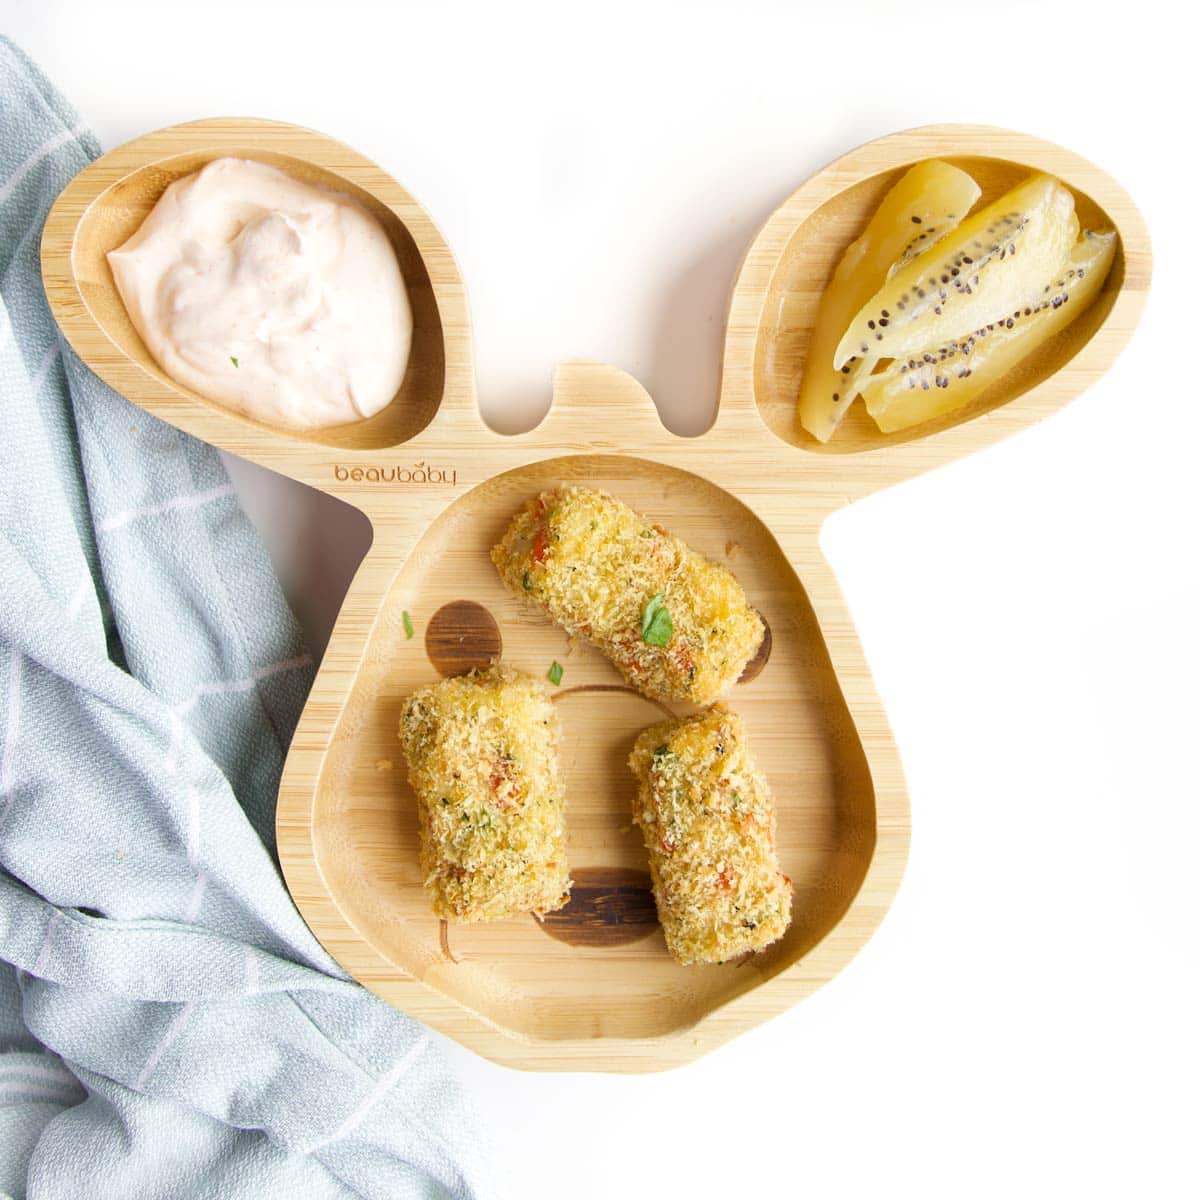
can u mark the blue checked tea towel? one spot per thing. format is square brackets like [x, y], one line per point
[168, 1025]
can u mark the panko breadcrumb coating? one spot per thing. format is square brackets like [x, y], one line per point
[708, 821]
[482, 760]
[676, 625]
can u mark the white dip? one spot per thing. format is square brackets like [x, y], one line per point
[271, 296]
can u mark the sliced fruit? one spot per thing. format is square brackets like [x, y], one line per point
[995, 262]
[926, 203]
[927, 385]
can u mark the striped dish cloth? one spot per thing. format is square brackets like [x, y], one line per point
[168, 1025]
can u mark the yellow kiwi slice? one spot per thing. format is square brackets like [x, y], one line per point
[996, 262]
[926, 203]
[936, 381]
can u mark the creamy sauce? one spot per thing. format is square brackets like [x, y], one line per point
[268, 295]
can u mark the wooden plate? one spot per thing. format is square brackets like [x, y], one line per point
[592, 988]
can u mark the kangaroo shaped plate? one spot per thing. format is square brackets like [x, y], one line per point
[591, 988]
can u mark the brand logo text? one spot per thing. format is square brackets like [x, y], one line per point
[419, 473]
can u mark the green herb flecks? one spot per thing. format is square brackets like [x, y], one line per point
[233, 360]
[555, 673]
[657, 626]
[408, 625]
[662, 751]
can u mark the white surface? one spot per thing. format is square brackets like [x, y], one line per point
[1024, 1024]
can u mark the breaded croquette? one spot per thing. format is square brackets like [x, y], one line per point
[482, 760]
[708, 821]
[676, 625]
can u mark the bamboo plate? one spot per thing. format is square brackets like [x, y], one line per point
[593, 988]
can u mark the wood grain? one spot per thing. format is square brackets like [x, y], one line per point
[462, 636]
[609, 906]
[438, 486]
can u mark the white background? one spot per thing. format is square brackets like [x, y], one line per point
[1024, 1024]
